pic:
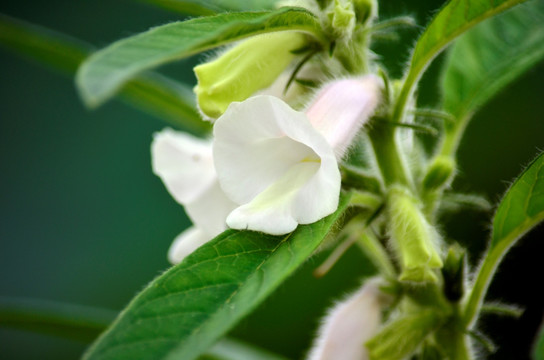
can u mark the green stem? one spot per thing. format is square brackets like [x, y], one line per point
[454, 340]
[377, 254]
[453, 135]
[481, 284]
[382, 136]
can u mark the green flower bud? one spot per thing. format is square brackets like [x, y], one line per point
[365, 10]
[341, 18]
[454, 273]
[413, 237]
[252, 65]
[439, 173]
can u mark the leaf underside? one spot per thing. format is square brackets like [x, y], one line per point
[490, 56]
[456, 17]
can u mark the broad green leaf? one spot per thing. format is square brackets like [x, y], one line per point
[456, 17]
[488, 57]
[229, 349]
[67, 320]
[538, 349]
[211, 7]
[521, 209]
[151, 92]
[185, 310]
[107, 70]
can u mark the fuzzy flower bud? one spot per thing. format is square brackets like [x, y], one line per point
[349, 325]
[414, 238]
[342, 107]
[251, 65]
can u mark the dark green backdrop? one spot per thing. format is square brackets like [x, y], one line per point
[83, 220]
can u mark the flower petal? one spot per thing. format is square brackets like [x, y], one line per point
[185, 243]
[184, 163]
[349, 325]
[209, 211]
[263, 152]
[272, 210]
[342, 107]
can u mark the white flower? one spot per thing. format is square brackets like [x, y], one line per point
[349, 325]
[279, 164]
[271, 160]
[185, 165]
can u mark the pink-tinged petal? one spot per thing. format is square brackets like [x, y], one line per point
[342, 107]
[185, 243]
[184, 163]
[349, 325]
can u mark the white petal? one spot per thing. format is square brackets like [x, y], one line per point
[185, 243]
[349, 326]
[209, 211]
[342, 107]
[258, 144]
[272, 210]
[184, 163]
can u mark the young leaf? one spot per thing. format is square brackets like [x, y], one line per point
[67, 320]
[521, 209]
[455, 18]
[184, 311]
[212, 7]
[107, 70]
[151, 92]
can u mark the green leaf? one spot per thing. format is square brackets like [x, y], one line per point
[212, 7]
[72, 321]
[538, 349]
[485, 60]
[107, 70]
[230, 349]
[456, 17]
[185, 310]
[151, 92]
[488, 57]
[521, 209]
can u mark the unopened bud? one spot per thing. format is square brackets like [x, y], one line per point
[413, 237]
[350, 324]
[251, 65]
[439, 173]
[454, 273]
[365, 10]
[341, 18]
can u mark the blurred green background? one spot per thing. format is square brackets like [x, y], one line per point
[83, 220]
